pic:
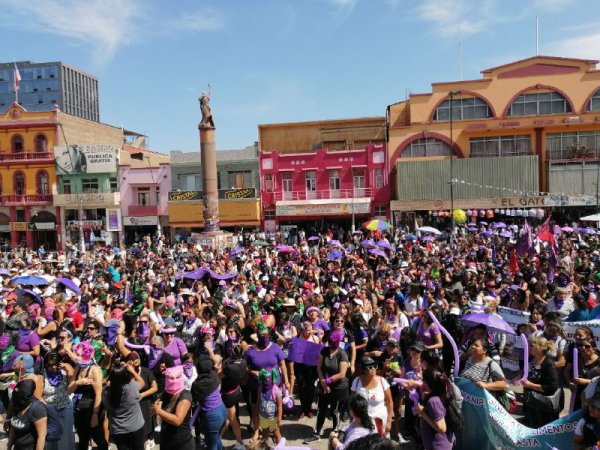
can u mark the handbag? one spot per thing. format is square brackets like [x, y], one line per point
[546, 403]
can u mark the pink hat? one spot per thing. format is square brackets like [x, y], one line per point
[117, 313]
[174, 382]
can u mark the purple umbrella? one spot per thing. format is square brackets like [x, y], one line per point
[472, 229]
[587, 231]
[29, 280]
[313, 238]
[69, 284]
[286, 249]
[377, 252]
[335, 255]
[280, 246]
[483, 222]
[498, 225]
[4, 272]
[334, 243]
[505, 234]
[367, 243]
[567, 229]
[491, 321]
[428, 238]
[36, 297]
[196, 274]
[486, 233]
[236, 250]
[384, 244]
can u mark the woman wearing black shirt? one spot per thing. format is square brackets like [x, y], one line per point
[233, 372]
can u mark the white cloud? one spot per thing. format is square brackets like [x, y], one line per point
[344, 3]
[552, 5]
[453, 17]
[584, 46]
[197, 21]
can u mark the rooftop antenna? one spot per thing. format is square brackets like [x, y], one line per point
[460, 63]
[537, 36]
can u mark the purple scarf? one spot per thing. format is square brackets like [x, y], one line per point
[54, 378]
[188, 369]
[155, 357]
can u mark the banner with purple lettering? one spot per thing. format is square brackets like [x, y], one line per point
[304, 352]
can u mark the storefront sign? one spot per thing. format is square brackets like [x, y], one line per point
[75, 224]
[85, 200]
[4, 228]
[234, 194]
[140, 221]
[322, 209]
[184, 196]
[18, 226]
[113, 219]
[42, 225]
[82, 159]
[548, 201]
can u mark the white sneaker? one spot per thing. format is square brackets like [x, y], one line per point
[157, 428]
[402, 439]
[149, 444]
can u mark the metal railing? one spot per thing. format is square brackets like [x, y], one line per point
[325, 194]
[570, 153]
[26, 156]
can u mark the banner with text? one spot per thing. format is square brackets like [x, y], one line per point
[497, 429]
[82, 159]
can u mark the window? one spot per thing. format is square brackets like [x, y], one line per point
[578, 144]
[42, 182]
[462, 109]
[426, 147]
[41, 143]
[269, 215]
[20, 216]
[380, 211]
[239, 179]
[378, 178]
[190, 182]
[269, 182]
[311, 184]
[595, 102]
[267, 164]
[114, 184]
[143, 196]
[66, 186]
[286, 181]
[539, 104]
[89, 185]
[157, 195]
[19, 183]
[17, 144]
[494, 146]
[334, 180]
[358, 177]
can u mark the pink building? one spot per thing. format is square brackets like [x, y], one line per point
[145, 181]
[343, 178]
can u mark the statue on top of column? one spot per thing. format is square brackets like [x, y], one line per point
[207, 118]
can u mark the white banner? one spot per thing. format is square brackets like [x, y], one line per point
[82, 159]
[513, 316]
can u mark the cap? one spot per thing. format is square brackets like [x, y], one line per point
[367, 362]
[392, 341]
[358, 301]
[289, 302]
[418, 346]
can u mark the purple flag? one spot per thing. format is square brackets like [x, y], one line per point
[304, 352]
[524, 244]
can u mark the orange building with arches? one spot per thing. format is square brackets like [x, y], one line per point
[530, 128]
[27, 178]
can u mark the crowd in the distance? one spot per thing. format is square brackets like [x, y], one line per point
[169, 344]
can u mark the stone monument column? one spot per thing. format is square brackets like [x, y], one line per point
[208, 160]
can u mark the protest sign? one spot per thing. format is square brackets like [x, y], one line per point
[304, 352]
[497, 429]
[514, 317]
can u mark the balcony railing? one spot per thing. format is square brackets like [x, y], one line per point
[325, 194]
[26, 156]
[23, 200]
[142, 210]
[571, 153]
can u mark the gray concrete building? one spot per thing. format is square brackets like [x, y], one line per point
[45, 85]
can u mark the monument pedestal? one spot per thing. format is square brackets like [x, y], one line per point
[211, 240]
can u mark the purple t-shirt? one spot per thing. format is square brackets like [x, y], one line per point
[432, 440]
[212, 401]
[176, 349]
[428, 336]
[264, 359]
[322, 325]
[30, 341]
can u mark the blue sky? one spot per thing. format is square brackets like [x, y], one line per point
[272, 61]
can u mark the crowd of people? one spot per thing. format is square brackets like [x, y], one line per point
[168, 344]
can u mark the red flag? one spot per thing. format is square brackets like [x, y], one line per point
[544, 234]
[16, 79]
[513, 264]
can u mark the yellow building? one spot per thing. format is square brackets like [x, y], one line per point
[526, 134]
[27, 178]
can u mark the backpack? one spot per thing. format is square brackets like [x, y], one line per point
[54, 426]
[454, 418]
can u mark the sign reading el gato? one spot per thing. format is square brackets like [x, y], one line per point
[228, 194]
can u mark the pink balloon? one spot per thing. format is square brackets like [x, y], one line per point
[450, 339]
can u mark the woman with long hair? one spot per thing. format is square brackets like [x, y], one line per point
[206, 392]
[57, 377]
[306, 374]
[483, 370]
[122, 402]
[589, 369]
[232, 372]
[434, 428]
[29, 419]
[361, 425]
[175, 409]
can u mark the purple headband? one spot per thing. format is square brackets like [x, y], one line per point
[312, 308]
[168, 331]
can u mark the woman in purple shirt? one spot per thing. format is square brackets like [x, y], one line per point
[429, 334]
[435, 430]
[174, 346]
[264, 355]
[29, 341]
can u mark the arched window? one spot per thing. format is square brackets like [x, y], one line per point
[539, 104]
[462, 109]
[595, 102]
[42, 182]
[17, 144]
[41, 143]
[19, 183]
[426, 147]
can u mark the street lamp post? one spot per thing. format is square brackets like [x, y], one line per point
[452, 232]
[80, 214]
[353, 195]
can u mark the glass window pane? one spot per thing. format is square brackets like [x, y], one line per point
[545, 107]
[530, 109]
